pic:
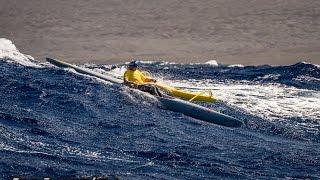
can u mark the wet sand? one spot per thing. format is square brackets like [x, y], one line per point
[113, 31]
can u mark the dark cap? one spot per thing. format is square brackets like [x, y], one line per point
[133, 64]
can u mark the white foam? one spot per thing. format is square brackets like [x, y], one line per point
[119, 71]
[166, 63]
[212, 63]
[273, 102]
[304, 78]
[69, 150]
[147, 62]
[10, 53]
[144, 62]
[269, 76]
[236, 65]
[115, 73]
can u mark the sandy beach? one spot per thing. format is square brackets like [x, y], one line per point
[246, 32]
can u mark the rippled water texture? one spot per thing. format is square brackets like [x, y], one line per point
[58, 123]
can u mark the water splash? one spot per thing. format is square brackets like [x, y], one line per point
[10, 53]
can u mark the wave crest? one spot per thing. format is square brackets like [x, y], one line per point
[10, 53]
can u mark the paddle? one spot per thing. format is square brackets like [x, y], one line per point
[202, 92]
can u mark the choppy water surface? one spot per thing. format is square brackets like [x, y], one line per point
[56, 122]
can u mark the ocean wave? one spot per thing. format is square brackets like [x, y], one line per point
[212, 63]
[58, 122]
[10, 53]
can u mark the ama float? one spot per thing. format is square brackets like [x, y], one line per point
[171, 101]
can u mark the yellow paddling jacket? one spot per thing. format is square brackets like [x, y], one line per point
[135, 77]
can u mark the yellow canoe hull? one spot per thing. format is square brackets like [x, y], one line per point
[185, 95]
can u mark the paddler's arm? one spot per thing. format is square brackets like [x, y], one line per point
[129, 83]
[147, 79]
[150, 80]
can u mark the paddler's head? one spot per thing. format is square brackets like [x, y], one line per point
[133, 65]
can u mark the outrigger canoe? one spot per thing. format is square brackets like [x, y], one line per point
[171, 103]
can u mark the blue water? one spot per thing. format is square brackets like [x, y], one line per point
[58, 123]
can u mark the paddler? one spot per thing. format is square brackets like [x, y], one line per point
[133, 77]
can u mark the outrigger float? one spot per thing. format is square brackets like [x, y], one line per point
[171, 102]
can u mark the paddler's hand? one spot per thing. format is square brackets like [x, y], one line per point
[151, 80]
